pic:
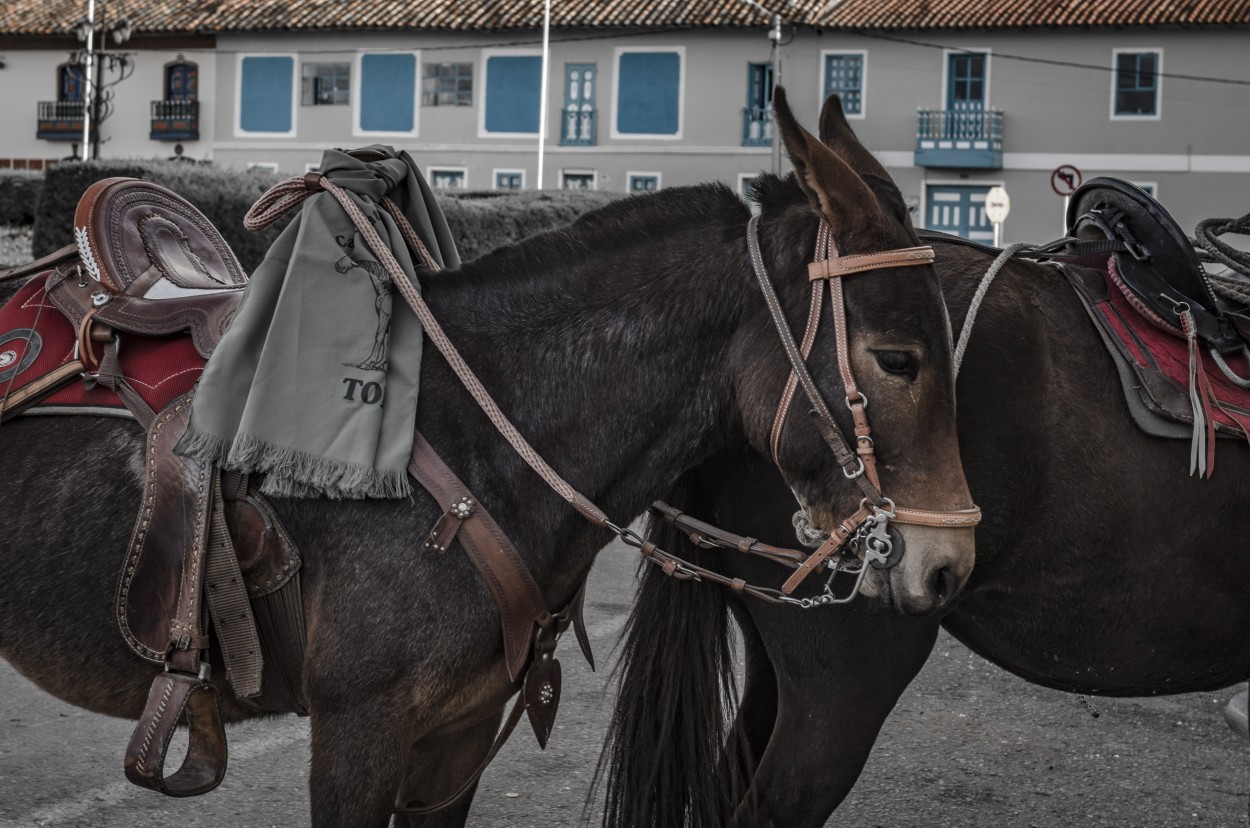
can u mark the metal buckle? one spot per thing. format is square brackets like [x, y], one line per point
[862, 396]
[204, 674]
[858, 472]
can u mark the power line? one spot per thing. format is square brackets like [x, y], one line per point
[1047, 61]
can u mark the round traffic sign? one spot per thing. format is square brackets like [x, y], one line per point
[997, 205]
[1065, 179]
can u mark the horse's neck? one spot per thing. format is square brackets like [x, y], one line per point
[612, 364]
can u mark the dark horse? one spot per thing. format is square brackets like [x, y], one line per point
[629, 349]
[1102, 568]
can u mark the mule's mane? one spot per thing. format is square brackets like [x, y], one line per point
[619, 225]
[623, 265]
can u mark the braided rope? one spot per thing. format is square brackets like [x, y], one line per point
[1212, 249]
[977, 298]
[445, 346]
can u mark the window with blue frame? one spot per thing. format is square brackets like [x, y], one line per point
[644, 182]
[648, 93]
[71, 81]
[509, 179]
[388, 93]
[577, 127]
[844, 77]
[966, 81]
[1137, 83]
[447, 178]
[577, 179]
[757, 117]
[266, 94]
[513, 88]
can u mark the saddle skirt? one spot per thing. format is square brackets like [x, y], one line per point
[1158, 360]
[38, 343]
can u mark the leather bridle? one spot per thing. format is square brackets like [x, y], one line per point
[865, 533]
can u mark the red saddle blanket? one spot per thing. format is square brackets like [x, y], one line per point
[36, 339]
[1158, 354]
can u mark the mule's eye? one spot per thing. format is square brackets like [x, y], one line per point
[903, 363]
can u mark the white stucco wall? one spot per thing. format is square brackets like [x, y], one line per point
[30, 76]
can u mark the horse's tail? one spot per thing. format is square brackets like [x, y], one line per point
[664, 745]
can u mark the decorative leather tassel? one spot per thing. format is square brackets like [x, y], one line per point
[1202, 446]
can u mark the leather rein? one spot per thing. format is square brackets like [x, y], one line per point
[864, 534]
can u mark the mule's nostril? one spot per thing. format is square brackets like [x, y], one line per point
[944, 584]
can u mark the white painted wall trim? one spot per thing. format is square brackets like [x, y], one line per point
[1102, 162]
[514, 148]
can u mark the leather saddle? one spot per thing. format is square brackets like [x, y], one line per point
[1155, 259]
[147, 263]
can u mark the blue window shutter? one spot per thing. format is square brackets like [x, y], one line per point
[265, 97]
[388, 88]
[512, 93]
[844, 76]
[648, 96]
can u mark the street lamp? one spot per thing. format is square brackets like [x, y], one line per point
[98, 103]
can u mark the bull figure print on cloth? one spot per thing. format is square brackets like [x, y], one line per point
[381, 281]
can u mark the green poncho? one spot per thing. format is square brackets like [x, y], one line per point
[315, 383]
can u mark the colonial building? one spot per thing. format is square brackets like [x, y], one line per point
[953, 97]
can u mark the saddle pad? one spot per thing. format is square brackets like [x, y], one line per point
[1158, 359]
[36, 339]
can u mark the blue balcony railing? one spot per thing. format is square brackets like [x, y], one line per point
[963, 138]
[577, 128]
[757, 126]
[175, 120]
[59, 121]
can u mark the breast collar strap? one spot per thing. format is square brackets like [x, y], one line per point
[861, 465]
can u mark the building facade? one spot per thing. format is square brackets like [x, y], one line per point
[950, 111]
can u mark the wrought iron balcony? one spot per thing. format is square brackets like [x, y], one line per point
[757, 126]
[963, 138]
[175, 120]
[60, 121]
[577, 128]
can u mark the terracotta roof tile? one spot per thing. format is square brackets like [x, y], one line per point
[53, 17]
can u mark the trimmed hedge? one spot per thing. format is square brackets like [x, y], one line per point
[19, 194]
[481, 221]
[222, 195]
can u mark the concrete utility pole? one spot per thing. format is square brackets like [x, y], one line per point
[542, 95]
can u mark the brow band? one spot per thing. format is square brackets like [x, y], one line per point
[837, 266]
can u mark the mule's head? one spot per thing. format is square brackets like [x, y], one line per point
[899, 352]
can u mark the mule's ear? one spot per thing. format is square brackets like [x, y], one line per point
[833, 188]
[836, 133]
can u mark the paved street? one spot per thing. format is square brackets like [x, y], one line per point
[969, 746]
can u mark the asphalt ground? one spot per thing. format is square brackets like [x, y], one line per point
[968, 746]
